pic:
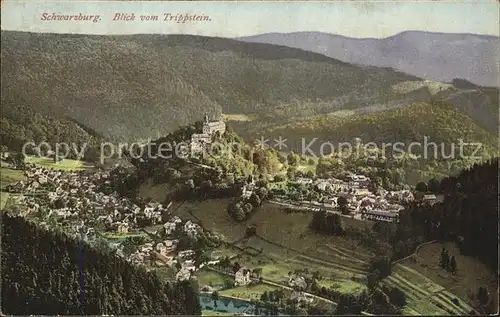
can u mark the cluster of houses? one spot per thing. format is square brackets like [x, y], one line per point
[75, 196]
[360, 201]
[210, 127]
[355, 184]
[164, 253]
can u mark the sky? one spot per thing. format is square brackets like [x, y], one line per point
[376, 19]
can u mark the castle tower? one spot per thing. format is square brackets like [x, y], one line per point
[206, 120]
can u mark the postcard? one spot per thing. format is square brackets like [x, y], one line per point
[232, 158]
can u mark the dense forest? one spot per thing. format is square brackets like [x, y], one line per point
[159, 82]
[23, 123]
[46, 272]
[438, 121]
[433, 130]
[468, 216]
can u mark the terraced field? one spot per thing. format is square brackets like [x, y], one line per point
[277, 261]
[424, 297]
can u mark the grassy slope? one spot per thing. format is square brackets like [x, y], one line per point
[248, 292]
[460, 285]
[65, 165]
[8, 176]
[286, 242]
[160, 82]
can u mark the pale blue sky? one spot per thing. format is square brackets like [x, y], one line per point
[231, 19]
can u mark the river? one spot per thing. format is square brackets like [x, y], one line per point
[228, 305]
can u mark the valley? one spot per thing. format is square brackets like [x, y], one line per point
[307, 173]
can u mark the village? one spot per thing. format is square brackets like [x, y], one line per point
[350, 197]
[72, 201]
[148, 233]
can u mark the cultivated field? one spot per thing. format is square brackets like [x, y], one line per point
[237, 117]
[8, 176]
[284, 243]
[212, 278]
[3, 199]
[471, 274]
[212, 215]
[65, 164]
[423, 295]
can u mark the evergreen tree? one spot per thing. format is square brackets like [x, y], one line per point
[53, 274]
[453, 265]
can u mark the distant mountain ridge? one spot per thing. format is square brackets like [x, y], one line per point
[429, 55]
[139, 86]
[131, 87]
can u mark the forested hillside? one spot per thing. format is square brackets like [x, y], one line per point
[437, 121]
[159, 82]
[45, 272]
[21, 123]
[423, 123]
[468, 215]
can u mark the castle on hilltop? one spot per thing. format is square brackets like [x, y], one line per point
[212, 126]
[198, 141]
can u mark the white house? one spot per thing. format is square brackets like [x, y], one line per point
[192, 229]
[304, 181]
[186, 254]
[183, 274]
[242, 277]
[169, 227]
[297, 281]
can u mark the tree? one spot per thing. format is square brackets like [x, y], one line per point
[247, 208]
[310, 174]
[373, 279]
[18, 159]
[453, 265]
[215, 298]
[264, 297]
[342, 202]
[397, 297]
[434, 186]
[236, 211]
[251, 230]
[225, 263]
[262, 192]
[178, 265]
[444, 259]
[236, 267]
[293, 159]
[482, 295]
[257, 272]
[255, 200]
[421, 187]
